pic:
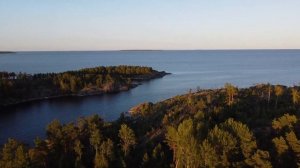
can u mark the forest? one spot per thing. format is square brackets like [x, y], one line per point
[256, 126]
[22, 87]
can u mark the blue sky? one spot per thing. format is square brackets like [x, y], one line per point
[151, 24]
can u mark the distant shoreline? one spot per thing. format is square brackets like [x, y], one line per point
[142, 50]
[7, 52]
[153, 50]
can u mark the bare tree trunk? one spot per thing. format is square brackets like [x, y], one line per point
[176, 164]
[174, 158]
[269, 95]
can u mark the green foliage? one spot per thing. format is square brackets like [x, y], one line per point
[294, 143]
[278, 92]
[95, 139]
[127, 137]
[105, 155]
[208, 155]
[78, 149]
[224, 144]
[246, 139]
[193, 130]
[284, 121]
[14, 155]
[260, 160]
[183, 144]
[15, 88]
[231, 91]
[295, 96]
[280, 145]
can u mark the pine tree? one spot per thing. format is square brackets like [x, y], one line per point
[79, 152]
[280, 145]
[260, 159]
[245, 137]
[104, 155]
[208, 155]
[183, 144]
[224, 143]
[14, 155]
[295, 96]
[286, 120]
[127, 137]
[231, 92]
[294, 143]
[278, 92]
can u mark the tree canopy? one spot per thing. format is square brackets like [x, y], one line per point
[194, 130]
[20, 87]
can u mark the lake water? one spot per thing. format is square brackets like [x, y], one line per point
[190, 69]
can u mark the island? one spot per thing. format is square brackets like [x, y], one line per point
[6, 52]
[257, 126]
[22, 87]
[141, 50]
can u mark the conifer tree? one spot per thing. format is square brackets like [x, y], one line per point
[295, 96]
[278, 92]
[231, 91]
[127, 137]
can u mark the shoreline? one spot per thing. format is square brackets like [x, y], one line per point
[93, 93]
[135, 83]
[7, 52]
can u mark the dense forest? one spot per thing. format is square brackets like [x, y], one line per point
[15, 88]
[228, 127]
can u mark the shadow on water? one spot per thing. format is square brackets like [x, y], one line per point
[27, 120]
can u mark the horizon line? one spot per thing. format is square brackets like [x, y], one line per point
[15, 51]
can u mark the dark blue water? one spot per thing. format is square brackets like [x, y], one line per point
[190, 69]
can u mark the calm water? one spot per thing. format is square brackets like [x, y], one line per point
[190, 69]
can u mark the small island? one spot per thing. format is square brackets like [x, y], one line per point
[6, 52]
[23, 87]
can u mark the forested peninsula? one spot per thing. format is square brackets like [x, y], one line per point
[22, 87]
[257, 126]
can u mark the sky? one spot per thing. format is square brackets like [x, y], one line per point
[64, 25]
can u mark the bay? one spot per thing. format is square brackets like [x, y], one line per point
[190, 69]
